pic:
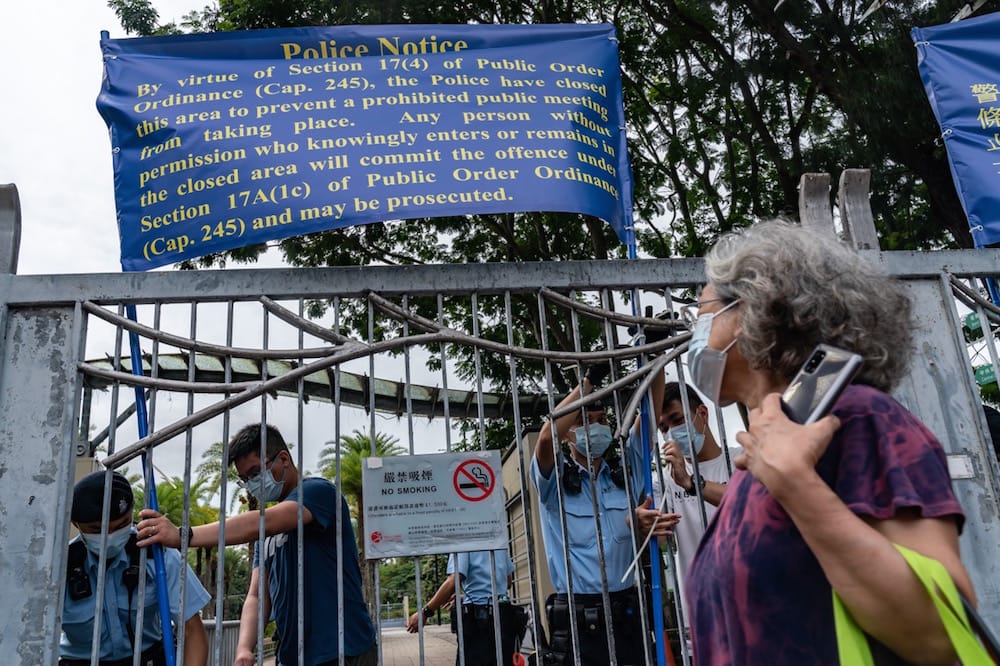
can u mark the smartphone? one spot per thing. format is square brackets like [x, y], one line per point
[818, 384]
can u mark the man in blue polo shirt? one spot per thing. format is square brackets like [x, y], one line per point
[120, 596]
[587, 473]
[481, 582]
[276, 479]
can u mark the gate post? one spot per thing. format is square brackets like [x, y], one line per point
[814, 202]
[10, 228]
[39, 350]
[856, 210]
[38, 398]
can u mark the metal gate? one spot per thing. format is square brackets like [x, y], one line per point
[434, 355]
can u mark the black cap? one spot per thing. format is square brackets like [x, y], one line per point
[88, 494]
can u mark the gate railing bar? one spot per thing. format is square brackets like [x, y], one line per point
[612, 316]
[968, 296]
[303, 324]
[525, 497]
[192, 344]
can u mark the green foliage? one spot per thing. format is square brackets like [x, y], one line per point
[397, 576]
[236, 577]
[990, 394]
[499, 434]
[211, 468]
[170, 495]
[136, 16]
[352, 449]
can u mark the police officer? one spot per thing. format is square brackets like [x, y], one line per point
[478, 579]
[589, 472]
[120, 596]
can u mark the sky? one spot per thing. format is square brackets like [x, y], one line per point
[53, 144]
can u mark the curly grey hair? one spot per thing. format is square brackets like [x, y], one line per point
[798, 288]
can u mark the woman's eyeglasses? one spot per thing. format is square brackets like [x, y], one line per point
[689, 313]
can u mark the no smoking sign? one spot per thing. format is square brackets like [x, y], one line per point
[412, 509]
[474, 480]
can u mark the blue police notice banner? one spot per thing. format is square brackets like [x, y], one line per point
[960, 66]
[228, 139]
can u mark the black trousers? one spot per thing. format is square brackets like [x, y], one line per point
[591, 629]
[477, 635]
[152, 656]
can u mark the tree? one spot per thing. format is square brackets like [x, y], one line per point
[398, 578]
[351, 449]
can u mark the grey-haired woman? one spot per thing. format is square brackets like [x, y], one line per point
[815, 507]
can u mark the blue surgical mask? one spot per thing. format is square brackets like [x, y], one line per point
[680, 435]
[600, 439]
[264, 488]
[116, 541]
[707, 366]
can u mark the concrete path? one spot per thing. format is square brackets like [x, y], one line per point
[400, 648]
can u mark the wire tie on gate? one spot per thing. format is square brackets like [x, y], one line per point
[642, 549]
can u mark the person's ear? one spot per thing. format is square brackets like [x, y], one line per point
[701, 411]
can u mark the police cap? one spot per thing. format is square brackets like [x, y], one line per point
[89, 493]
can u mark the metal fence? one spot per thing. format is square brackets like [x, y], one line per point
[440, 357]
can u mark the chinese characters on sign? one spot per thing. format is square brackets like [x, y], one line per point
[960, 66]
[437, 503]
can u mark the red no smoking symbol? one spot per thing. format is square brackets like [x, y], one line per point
[474, 480]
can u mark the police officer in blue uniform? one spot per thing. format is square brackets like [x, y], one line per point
[600, 475]
[121, 587]
[479, 581]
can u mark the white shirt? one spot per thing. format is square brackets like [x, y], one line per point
[690, 529]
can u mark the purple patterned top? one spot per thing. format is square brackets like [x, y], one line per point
[756, 592]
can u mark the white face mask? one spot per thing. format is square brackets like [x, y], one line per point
[116, 541]
[264, 488]
[600, 439]
[688, 448]
[707, 366]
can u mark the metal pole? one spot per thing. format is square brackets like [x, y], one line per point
[647, 465]
[154, 504]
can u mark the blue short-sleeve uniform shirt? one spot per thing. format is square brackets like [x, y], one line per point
[78, 615]
[614, 508]
[477, 582]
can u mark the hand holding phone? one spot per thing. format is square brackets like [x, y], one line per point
[818, 384]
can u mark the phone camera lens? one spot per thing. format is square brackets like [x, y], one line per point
[815, 361]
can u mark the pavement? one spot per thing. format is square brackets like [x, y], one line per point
[400, 648]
